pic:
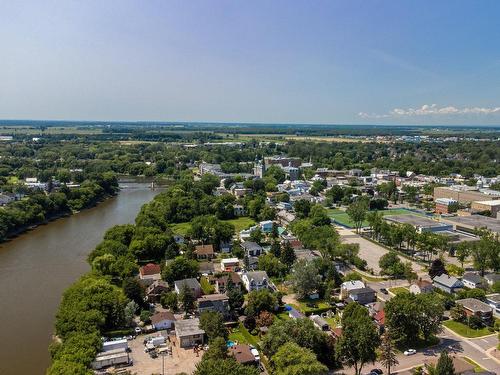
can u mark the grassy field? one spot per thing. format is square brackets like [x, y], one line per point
[399, 290]
[239, 224]
[463, 330]
[340, 217]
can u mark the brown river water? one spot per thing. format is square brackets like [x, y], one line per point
[36, 268]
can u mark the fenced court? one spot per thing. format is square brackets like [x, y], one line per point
[341, 217]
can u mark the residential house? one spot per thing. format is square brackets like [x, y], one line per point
[320, 323]
[220, 282]
[347, 286]
[204, 252]
[266, 226]
[155, 290]
[255, 280]
[494, 301]
[472, 280]
[192, 284]
[230, 265]
[421, 287]
[492, 278]
[239, 190]
[149, 273]
[375, 307]
[252, 249]
[189, 333]
[214, 302]
[239, 210]
[206, 268]
[362, 295]
[478, 308]
[379, 319]
[162, 320]
[242, 353]
[447, 283]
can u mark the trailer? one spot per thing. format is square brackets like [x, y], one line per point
[115, 344]
[158, 340]
[118, 357]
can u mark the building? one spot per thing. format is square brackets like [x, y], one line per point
[204, 252]
[362, 296]
[320, 323]
[149, 273]
[347, 286]
[282, 161]
[230, 265]
[445, 205]
[421, 286]
[494, 301]
[255, 280]
[242, 353]
[189, 333]
[471, 223]
[478, 308]
[192, 284]
[220, 282]
[472, 280]
[492, 278]
[155, 290]
[266, 226]
[252, 249]
[162, 320]
[492, 206]
[239, 210]
[421, 223]
[465, 194]
[447, 283]
[214, 302]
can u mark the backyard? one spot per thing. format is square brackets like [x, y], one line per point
[465, 331]
[239, 224]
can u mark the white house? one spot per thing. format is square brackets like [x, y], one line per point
[346, 287]
[255, 280]
[472, 280]
[163, 320]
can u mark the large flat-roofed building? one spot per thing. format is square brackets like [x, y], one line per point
[470, 223]
[283, 161]
[421, 223]
[492, 205]
[465, 194]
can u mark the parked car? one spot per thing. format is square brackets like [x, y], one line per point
[383, 290]
[138, 330]
[410, 352]
[376, 371]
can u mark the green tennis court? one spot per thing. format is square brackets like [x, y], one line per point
[340, 217]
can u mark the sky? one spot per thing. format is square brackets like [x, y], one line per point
[269, 61]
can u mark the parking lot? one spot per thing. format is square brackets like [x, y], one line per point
[181, 360]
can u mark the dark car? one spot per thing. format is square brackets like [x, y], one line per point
[383, 290]
[376, 371]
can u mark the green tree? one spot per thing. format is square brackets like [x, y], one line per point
[133, 290]
[444, 365]
[187, 298]
[287, 256]
[169, 301]
[359, 341]
[212, 323]
[217, 350]
[261, 300]
[291, 359]
[305, 278]
[357, 213]
[180, 268]
[388, 356]
[227, 366]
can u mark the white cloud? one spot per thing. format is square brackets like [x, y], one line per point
[432, 110]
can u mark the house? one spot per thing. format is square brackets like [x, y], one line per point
[230, 265]
[494, 301]
[242, 353]
[336, 333]
[266, 226]
[225, 246]
[492, 278]
[214, 302]
[346, 287]
[375, 307]
[189, 333]
[379, 319]
[162, 320]
[447, 283]
[362, 295]
[478, 308]
[472, 280]
[192, 284]
[204, 252]
[239, 210]
[295, 314]
[154, 291]
[255, 280]
[320, 323]
[251, 249]
[149, 273]
[220, 282]
[421, 287]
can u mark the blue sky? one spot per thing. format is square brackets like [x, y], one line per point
[336, 62]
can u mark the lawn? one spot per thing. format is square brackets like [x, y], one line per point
[319, 306]
[463, 330]
[239, 224]
[241, 335]
[399, 290]
[340, 217]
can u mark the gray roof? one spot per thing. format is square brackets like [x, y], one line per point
[249, 245]
[188, 327]
[447, 280]
[474, 305]
[366, 290]
[492, 277]
[472, 277]
[191, 283]
[257, 276]
[495, 297]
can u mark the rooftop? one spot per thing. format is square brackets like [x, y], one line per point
[161, 316]
[242, 353]
[474, 305]
[475, 221]
[204, 249]
[150, 269]
[188, 327]
[415, 220]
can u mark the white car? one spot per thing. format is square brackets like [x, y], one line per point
[410, 352]
[138, 330]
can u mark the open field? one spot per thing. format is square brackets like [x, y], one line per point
[29, 130]
[341, 217]
[239, 224]
[463, 330]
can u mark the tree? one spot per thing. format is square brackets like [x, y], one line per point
[357, 213]
[319, 216]
[292, 359]
[235, 297]
[169, 300]
[462, 252]
[359, 341]
[302, 208]
[391, 265]
[287, 256]
[388, 353]
[261, 300]
[187, 298]
[134, 290]
[437, 268]
[212, 323]
[256, 235]
[216, 350]
[180, 268]
[129, 312]
[265, 319]
[444, 365]
[305, 278]
[458, 314]
[272, 265]
[227, 366]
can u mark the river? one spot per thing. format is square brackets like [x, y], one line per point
[36, 268]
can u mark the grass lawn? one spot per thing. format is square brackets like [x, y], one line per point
[239, 224]
[370, 278]
[283, 316]
[319, 306]
[399, 290]
[342, 218]
[241, 335]
[463, 330]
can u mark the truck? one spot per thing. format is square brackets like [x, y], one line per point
[117, 357]
[115, 344]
